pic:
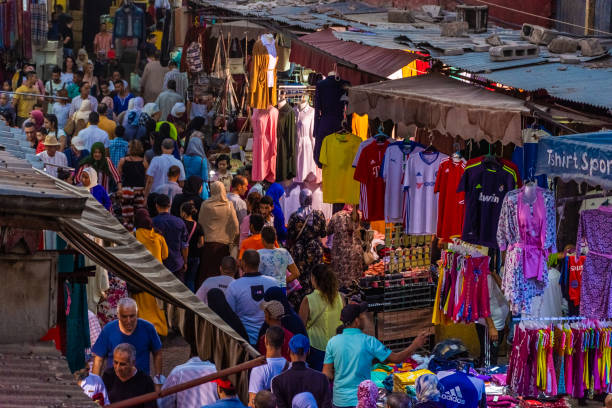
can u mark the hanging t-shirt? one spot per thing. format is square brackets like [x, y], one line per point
[337, 153]
[485, 186]
[372, 193]
[392, 171]
[362, 146]
[360, 125]
[420, 179]
[512, 167]
[450, 202]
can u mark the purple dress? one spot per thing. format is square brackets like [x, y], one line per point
[595, 232]
[329, 110]
[528, 233]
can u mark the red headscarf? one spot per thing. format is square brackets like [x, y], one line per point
[38, 117]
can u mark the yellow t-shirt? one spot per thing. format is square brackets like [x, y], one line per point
[360, 125]
[323, 319]
[158, 39]
[25, 104]
[337, 154]
[108, 126]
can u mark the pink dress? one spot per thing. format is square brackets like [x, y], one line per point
[264, 144]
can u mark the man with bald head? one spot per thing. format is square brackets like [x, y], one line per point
[128, 328]
[123, 380]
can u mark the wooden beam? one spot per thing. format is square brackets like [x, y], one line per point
[589, 17]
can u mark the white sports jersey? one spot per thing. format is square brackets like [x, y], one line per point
[392, 172]
[420, 179]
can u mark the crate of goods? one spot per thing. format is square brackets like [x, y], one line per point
[402, 380]
[399, 291]
[398, 325]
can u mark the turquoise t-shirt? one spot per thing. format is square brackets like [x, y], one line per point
[352, 353]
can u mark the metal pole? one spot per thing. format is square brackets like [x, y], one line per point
[36, 95]
[152, 396]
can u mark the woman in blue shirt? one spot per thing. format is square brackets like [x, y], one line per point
[195, 161]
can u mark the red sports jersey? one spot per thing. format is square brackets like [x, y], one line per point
[508, 163]
[367, 172]
[575, 266]
[450, 202]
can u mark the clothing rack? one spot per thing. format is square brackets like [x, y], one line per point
[584, 197]
[550, 319]
[36, 95]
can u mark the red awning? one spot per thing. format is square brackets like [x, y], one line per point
[320, 51]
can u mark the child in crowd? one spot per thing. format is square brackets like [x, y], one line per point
[222, 171]
[196, 241]
[40, 139]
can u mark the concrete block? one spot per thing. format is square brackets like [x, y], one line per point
[591, 47]
[476, 16]
[569, 59]
[563, 45]
[454, 51]
[400, 16]
[536, 34]
[482, 47]
[432, 10]
[494, 40]
[454, 29]
[513, 52]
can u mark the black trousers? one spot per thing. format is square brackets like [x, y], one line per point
[481, 330]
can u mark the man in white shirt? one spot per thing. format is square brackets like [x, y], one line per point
[76, 102]
[157, 173]
[92, 133]
[228, 268]
[245, 294]
[167, 99]
[203, 394]
[239, 187]
[51, 157]
[261, 376]
[53, 86]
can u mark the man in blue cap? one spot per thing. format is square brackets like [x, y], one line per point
[299, 378]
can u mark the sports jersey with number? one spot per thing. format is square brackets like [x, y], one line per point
[367, 172]
[575, 267]
[419, 180]
[485, 186]
[392, 171]
[450, 202]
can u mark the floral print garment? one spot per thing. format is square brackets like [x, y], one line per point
[595, 231]
[346, 252]
[307, 250]
[107, 308]
[517, 285]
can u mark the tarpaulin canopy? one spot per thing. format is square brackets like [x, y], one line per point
[440, 103]
[320, 51]
[583, 157]
[240, 29]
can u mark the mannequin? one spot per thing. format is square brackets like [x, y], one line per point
[262, 98]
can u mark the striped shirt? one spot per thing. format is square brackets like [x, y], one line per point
[117, 148]
[181, 82]
[199, 396]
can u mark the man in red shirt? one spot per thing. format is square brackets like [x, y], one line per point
[274, 311]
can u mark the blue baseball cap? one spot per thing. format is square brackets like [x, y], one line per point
[299, 344]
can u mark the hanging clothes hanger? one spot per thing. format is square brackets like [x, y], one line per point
[381, 136]
[430, 148]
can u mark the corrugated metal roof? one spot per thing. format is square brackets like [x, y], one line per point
[381, 39]
[569, 82]
[36, 375]
[477, 62]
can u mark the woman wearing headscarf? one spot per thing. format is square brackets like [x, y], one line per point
[304, 400]
[168, 131]
[89, 180]
[428, 392]
[276, 191]
[367, 394]
[195, 161]
[220, 224]
[110, 112]
[150, 111]
[195, 125]
[82, 59]
[132, 171]
[191, 192]
[79, 119]
[156, 245]
[290, 320]
[133, 113]
[178, 117]
[37, 118]
[108, 176]
[218, 304]
[305, 229]
[346, 251]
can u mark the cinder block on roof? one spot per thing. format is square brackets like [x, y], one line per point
[536, 34]
[563, 45]
[454, 29]
[400, 16]
[513, 52]
[591, 47]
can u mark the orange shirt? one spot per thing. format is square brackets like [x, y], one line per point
[252, 242]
